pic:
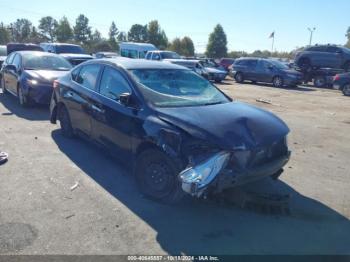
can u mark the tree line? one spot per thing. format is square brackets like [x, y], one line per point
[51, 30]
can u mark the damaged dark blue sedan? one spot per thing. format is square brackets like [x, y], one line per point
[29, 75]
[177, 130]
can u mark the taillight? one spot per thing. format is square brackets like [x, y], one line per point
[336, 77]
[55, 84]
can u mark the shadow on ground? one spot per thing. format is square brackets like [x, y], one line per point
[203, 227]
[32, 113]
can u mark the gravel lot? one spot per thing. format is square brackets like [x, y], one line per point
[105, 214]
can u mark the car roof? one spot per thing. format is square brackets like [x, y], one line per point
[38, 53]
[128, 63]
[58, 44]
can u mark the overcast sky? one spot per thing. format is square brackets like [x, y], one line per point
[247, 23]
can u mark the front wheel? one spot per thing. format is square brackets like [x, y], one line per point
[277, 81]
[239, 78]
[157, 177]
[346, 89]
[23, 100]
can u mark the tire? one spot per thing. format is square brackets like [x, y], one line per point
[346, 66]
[320, 81]
[346, 89]
[65, 122]
[277, 81]
[239, 78]
[22, 99]
[305, 65]
[157, 177]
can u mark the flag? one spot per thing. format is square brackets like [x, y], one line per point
[272, 35]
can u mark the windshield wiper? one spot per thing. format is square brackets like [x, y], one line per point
[213, 103]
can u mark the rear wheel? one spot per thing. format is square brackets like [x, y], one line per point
[157, 177]
[320, 81]
[65, 122]
[239, 77]
[346, 89]
[277, 81]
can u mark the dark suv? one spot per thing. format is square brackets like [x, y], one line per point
[75, 54]
[266, 71]
[323, 56]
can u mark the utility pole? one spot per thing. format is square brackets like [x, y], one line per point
[311, 30]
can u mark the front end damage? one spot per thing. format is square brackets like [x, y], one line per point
[226, 169]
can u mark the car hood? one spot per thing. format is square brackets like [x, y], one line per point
[46, 75]
[214, 70]
[3, 58]
[68, 55]
[230, 126]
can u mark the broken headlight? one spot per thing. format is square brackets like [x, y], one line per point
[200, 176]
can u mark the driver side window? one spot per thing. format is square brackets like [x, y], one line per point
[113, 84]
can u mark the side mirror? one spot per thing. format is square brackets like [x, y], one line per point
[124, 99]
[11, 68]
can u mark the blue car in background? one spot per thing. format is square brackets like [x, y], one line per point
[265, 71]
[29, 75]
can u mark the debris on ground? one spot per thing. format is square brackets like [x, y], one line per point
[3, 157]
[266, 101]
[70, 216]
[75, 186]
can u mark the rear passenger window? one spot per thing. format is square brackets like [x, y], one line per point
[113, 84]
[88, 76]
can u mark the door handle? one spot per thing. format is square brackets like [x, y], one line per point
[97, 109]
[69, 94]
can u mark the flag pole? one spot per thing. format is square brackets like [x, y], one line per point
[273, 42]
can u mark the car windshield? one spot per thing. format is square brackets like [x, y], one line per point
[69, 49]
[346, 50]
[208, 63]
[177, 88]
[279, 65]
[170, 55]
[45, 62]
[3, 51]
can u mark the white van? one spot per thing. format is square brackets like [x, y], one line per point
[135, 50]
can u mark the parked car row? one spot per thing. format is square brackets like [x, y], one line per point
[153, 115]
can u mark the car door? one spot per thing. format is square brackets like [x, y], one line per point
[13, 74]
[5, 71]
[334, 56]
[251, 70]
[263, 71]
[112, 122]
[78, 96]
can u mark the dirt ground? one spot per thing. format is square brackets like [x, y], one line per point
[61, 196]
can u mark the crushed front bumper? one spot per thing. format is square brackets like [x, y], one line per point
[229, 178]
